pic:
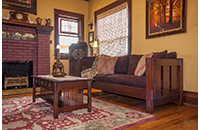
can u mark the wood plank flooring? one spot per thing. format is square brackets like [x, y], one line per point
[170, 116]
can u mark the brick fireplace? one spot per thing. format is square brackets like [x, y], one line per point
[18, 47]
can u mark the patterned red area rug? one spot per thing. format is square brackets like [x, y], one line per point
[21, 114]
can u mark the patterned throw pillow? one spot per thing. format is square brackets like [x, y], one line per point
[94, 65]
[106, 65]
[141, 66]
[89, 73]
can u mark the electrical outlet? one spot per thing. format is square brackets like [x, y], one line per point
[194, 21]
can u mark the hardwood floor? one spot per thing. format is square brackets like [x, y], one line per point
[170, 116]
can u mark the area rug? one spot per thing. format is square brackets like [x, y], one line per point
[22, 114]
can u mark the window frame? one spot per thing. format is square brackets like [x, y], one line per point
[113, 5]
[66, 15]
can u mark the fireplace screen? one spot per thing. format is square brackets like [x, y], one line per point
[17, 74]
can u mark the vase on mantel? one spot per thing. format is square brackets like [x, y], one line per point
[38, 20]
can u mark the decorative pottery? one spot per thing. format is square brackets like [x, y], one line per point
[38, 20]
[48, 22]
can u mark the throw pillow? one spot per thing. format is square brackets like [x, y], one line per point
[171, 55]
[94, 65]
[160, 55]
[121, 66]
[133, 61]
[141, 66]
[106, 65]
[89, 73]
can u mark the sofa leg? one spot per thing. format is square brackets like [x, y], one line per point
[149, 106]
[149, 101]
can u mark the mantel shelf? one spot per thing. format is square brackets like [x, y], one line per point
[44, 27]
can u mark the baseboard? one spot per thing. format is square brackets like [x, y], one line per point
[190, 98]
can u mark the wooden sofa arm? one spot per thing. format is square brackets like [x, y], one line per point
[164, 82]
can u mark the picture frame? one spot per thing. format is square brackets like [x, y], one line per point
[29, 6]
[91, 37]
[162, 20]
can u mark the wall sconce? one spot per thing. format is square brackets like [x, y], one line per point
[90, 24]
[96, 47]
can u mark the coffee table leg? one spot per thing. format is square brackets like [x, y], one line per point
[89, 96]
[34, 87]
[55, 102]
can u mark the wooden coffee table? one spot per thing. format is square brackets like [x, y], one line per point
[64, 93]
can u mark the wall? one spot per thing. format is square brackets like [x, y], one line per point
[185, 44]
[45, 9]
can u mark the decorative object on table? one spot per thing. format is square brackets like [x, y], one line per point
[8, 17]
[29, 6]
[38, 20]
[48, 22]
[29, 20]
[96, 47]
[165, 17]
[58, 67]
[90, 24]
[91, 36]
[18, 16]
[21, 113]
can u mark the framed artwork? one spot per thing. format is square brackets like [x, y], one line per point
[21, 5]
[91, 37]
[165, 17]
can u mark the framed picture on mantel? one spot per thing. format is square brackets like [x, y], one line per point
[29, 6]
[165, 17]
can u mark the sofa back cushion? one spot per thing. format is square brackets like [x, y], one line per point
[171, 55]
[106, 65]
[121, 66]
[160, 55]
[133, 61]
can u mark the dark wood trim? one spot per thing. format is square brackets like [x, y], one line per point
[113, 5]
[43, 27]
[190, 98]
[70, 15]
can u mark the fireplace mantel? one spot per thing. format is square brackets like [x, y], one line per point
[39, 27]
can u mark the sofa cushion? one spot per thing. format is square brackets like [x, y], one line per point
[160, 55]
[133, 60]
[131, 80]
[101, 77]
[106, 65]
[121, 66]
[171, 55]
[141, 66]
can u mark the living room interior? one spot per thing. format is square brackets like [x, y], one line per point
[39, 53]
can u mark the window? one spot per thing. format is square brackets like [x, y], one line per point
[113, 28]
[69, 29]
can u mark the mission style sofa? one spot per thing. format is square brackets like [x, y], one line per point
[161, 83]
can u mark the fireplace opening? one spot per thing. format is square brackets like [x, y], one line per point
[16, 75]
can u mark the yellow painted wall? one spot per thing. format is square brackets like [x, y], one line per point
[185, 44]
[45, 9]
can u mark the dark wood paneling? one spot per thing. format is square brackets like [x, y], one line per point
[190, 98]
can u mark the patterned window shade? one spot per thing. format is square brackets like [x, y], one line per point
[112, 31]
